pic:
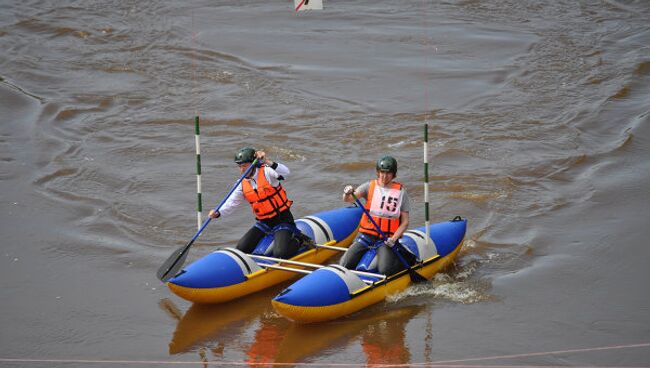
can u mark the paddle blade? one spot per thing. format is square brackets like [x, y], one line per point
[408, 261]
[173, 264]
[416, 277]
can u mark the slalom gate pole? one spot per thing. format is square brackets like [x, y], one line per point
[199, 202]
[426, 182]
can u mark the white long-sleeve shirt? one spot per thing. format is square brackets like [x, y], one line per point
[272, 175]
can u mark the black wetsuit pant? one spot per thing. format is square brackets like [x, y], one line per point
[286, 245]
[387, 261]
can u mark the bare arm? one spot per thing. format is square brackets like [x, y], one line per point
[361, 192]
[347, 195]
[403, 225]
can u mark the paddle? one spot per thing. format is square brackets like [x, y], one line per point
[415, 277]
[174, 263]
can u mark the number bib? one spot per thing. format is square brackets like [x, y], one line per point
[386, 202]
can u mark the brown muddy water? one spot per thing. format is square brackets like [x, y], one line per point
[539, 119]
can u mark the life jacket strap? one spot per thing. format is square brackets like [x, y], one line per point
[368, 241]
[266, 229]
[285, 226]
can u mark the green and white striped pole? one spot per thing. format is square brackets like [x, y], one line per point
[426, 182]
[197, 141]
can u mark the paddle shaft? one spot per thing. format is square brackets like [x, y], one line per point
[383, 235]
[163, 275]
[216, 209]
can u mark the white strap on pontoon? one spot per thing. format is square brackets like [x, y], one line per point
[352, 281]
[321, 229]
[244, 261]
[425, 251]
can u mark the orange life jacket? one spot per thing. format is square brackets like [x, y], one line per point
[386, 354]
[267, 201]
[266, 346]
[387, 224]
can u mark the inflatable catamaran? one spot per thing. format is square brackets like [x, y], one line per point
[228, 273]
[334, 291]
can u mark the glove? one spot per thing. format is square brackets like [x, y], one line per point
[390, 242]
[349, 189]
[214, 214]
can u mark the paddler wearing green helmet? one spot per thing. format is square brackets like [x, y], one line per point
[388, 204]
[262, 189]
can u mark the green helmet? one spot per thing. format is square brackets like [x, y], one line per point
[387, 164]
[244, 155]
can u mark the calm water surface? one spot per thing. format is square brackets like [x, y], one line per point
[539, 119]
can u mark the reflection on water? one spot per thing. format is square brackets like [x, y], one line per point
[380, 333]
[539, 136]
[210, 330]
[203, 323]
